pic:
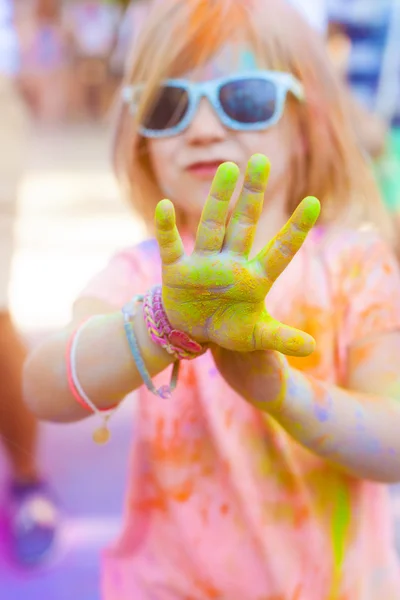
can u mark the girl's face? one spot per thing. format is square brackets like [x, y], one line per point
[185, 164]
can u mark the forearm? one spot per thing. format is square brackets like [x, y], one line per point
[105, 367]
[357, 432]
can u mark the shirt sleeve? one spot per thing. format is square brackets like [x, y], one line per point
[371, 290]
[128, 273]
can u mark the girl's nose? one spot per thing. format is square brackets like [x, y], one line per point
[206, 127]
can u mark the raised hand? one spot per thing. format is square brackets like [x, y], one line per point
[217, 294]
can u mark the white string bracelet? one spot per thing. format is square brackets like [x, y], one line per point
[102, 434]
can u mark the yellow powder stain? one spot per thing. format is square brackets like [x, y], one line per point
[204, 514]
[265, 466]
[224, 509]
[319, 392]
[362, 354]
[321, 443]
[293, 514]
[369, 320]
[229, 415]
[314, 321]
[332, 505]
[207, 20]
[181, 492]
[388, 268]
[355, 272]
[151, 496]
[297, 592]
[208, 589]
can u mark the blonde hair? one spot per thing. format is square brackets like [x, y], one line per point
[180, 35]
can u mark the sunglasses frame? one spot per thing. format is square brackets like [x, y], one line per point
[284, 82]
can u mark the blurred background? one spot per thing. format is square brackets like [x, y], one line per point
[70, 219]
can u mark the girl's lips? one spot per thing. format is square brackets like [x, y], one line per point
[204, 170]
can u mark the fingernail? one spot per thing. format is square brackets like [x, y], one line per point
[312, 208]
[165, 213]
[228, 172]
[259, 167]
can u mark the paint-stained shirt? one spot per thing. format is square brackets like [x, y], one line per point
[221, 502]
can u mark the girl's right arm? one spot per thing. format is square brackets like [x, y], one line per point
[105, 367]
[217, 295]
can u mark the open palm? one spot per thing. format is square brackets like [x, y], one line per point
[217, 294]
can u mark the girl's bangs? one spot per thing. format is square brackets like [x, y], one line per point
[197, 29]
[180, 36]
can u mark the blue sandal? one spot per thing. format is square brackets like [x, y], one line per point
[33, 522]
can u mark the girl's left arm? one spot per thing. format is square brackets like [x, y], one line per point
[357, 428]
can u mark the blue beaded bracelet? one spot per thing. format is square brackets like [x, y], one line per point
[129, 312]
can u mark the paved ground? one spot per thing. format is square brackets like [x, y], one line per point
[71, 220]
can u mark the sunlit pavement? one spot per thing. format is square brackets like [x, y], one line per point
[71, 220]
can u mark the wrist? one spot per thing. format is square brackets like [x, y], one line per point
[175, 341]
[155, 357]
[185, 316]
[275, 390]
[100, 344]
[104, 343]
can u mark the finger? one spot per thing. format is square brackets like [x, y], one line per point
[243, 223]
[276, 256]
[167, 234]
[270, 334]
[211, 230]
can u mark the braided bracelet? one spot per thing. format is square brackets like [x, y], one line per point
[129, 312]
[175, 342]
[102, 434]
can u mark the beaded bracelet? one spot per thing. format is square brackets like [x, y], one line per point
[129, 312]
[175, 342]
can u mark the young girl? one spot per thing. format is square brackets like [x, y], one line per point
[259, 477]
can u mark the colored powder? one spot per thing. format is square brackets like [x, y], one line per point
[323, 411]
[248, 61]
[340, 525]
[211, 25]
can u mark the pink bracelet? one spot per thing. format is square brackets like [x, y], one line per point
[102, 434]
[73, 383]
[175, 342]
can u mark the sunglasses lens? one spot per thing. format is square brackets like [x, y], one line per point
[249, 100]
[168, 110]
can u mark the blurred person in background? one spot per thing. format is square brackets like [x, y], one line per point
[93, 29]
[133, 15]
[365, 44]
[45, 76]
[31, 514]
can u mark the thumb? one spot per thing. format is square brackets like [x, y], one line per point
[270, 334]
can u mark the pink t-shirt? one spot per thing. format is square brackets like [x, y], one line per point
[221, 502]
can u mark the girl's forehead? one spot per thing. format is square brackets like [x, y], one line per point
[228, 60]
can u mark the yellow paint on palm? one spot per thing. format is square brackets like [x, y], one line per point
[217, 294]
